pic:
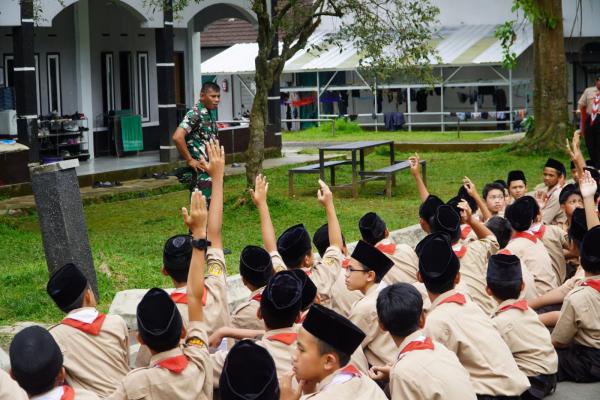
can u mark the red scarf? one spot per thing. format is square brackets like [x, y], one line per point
[426, 344]
[386, 248]
[346, 263]
[595, 106]
[256, 297]
[285, 338]
[93, 329]
[181, 298]
[457, 298]
[465, 232]
[540, 232]
[350, 370]
[519, 305]
[506, 252]
[174, 364]
[526, 235]
[68, 393]
[460, 253]
[593, 283]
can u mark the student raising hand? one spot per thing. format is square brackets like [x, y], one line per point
[588, 187]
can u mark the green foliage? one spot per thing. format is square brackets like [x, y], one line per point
[529, 123]
[507, 36]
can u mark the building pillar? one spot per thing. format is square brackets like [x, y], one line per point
[24, 82]
[165, 69]
[195, 62]
[83, 68]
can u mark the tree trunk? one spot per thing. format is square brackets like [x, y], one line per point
[258, 118]
[550, 81]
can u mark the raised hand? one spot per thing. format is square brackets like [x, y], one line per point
[466, 213]
[469, 186]
[196, 218]
[324, 194]
[215, 166]
[261, 188]
[587, 185]
[415, 165]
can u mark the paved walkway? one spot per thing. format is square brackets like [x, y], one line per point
[14, 205]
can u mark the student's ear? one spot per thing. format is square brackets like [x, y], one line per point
[331, 362]
[522, 286]
[259, 313]
[422, 320]
[371, 276]
[183, 332]
[386, 233]
[419, 279]
[60, 378]
[163, 271]
[317, 299]
[298, 318]
[381, 325]
[307, 262]
[489, 291]
[457, 278]
[89, 298]
[139, 339]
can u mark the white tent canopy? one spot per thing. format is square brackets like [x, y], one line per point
[463, 45]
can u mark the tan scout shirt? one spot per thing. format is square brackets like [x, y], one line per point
[467, 331]
[527, 338]
[85, 355]
[245, 315]
[406, 262]
[551, 212]
[344, 386]
[10, 389]
[572, 282]
[433, 374]
[534, 255]
[378, 346]
[59, 391]
[555, 239]
[323, 273]
[157, 383]
[342, 299]
[587, 98]
[580, 317]
[216, 309]
[473, 269]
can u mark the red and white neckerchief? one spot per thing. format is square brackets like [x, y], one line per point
[519, 305]
[88, 320]
[526, 235]
[457, 298]
[595, 105]
[460, 250]
[505, 251]
[64, 392]
[386, 248]
[538, 230]
[181, 297]
[175, 364]
[285, 338]
[464, 232]
[256, 297]
[420, 343]
[307, 271]
[344, 375]
[593, 283]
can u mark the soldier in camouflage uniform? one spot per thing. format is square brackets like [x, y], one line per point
[198, 128]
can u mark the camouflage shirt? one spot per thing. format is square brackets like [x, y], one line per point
[200, 126]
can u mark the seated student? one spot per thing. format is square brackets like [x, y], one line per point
[309, 293]
[424, 368]
[494, 196]
[89, 340]
[10, 389]
[36, 363]
[429, 202]
[473, 255]
[468, 192]
[368, 266]
[256, 269]
[238, 382]
[341, 298]
[517, 184]
[374, 231]
[547, 193]
[460, 325]
[321, 361]
[176, 370]
[526, 337]
[293, 248]
[570, 199]
[279, 309]
[526, 245]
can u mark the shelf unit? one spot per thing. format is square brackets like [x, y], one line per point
[58, 141]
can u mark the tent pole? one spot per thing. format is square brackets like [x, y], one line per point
[318, 101]
[375, 104]
[510, 99]
[442, 100]
[409, 109]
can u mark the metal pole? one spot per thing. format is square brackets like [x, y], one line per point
[510, 99]
[318, 100]
[408, 101]
[375, 105]
[442, 100]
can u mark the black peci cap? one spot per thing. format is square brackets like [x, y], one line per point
[159, 322]
[504, 268]
[293, 244]
[66, 285]
[372, 258]
[372, 228]
[255, 265]
[333, 329]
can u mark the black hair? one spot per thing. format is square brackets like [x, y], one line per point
[278, 319]
[78, 303]
[399, 309]
[505, 290]
[501, 182]
[210, 86]
[492, 186]
[565, 194]
[501, 228]
[178, 275]
[438, 287]
[367, 269]
[36, 392]
[298, 263]
[325, 348]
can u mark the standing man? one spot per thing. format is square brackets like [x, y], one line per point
[192, 135]
[589, 104]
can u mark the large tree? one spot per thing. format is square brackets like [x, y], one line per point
[550, 105]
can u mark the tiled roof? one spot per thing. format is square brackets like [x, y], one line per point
[225, 33]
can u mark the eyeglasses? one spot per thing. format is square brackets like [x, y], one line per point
[350, 269]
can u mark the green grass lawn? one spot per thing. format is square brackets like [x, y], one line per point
[347, 131]
[127, 236]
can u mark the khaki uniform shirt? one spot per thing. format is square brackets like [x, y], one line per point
[245, 315]
[572, 282]
[473, 269]
[551, 212]
[378, 346]
[323, 273]
[157, 383]
[527, 338]
[467, 234]
[57, 393]
[216, 309]
[467, 331]
[341, 386]
[432, 374]
[281, 352]
[555, 239]
[534, 255]
[94, 362]
[10, 389]
[406, 262]
[342, 299]
[580, 317]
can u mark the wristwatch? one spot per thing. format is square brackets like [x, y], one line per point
[201, 244]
